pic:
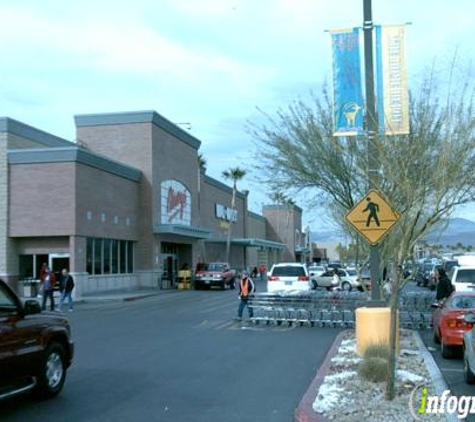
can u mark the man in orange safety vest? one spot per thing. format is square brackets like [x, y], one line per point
[246, 288]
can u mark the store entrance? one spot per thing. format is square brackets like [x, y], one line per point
[169, 270]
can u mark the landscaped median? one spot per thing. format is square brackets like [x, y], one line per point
[340, 392]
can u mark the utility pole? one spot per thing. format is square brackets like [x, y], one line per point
[371, 130]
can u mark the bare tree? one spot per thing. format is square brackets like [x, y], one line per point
[425, 175]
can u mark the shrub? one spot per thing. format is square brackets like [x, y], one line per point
[374, 366]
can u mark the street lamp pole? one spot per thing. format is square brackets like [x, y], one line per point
[371, 129]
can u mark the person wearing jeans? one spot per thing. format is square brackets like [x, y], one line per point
[48, 281]
[67, 286]
[246, 288]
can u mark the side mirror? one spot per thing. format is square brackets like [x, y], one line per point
[470, 318]
[436, 305]
[32, 307]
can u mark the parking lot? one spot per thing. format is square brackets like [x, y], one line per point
[180, 356]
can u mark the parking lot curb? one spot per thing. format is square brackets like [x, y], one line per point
[304, 411]
[434, 372]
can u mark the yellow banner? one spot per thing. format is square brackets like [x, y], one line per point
[393, 97]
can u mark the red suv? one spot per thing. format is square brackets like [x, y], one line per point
[35, 347]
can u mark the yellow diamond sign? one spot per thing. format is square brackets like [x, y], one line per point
[373, 217]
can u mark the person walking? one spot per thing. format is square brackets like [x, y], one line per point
[262, 271]
[444, 285]
[246, 289]
[66, 288]
[48, 281]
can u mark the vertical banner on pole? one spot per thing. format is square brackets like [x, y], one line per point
[347, 92]
[391, 80]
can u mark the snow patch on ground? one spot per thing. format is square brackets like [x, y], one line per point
[346, 361]
[410, 352]
[406, 376]
[330, 394]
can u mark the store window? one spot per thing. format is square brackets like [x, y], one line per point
[106, 256]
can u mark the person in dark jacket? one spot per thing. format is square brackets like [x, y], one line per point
[48, 282]
[444, 286]
[66, 287]
[246, 288]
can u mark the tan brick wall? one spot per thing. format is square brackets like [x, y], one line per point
[130, 144]
[42, 199]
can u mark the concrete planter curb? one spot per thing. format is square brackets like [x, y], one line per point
[305, 412]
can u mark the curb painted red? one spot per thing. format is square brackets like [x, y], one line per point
[304, 411]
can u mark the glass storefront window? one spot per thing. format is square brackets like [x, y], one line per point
[27, 269]
[123, 257]
[97, 256]
[107, 256]
[115, 256]
[89, 255]
[130, 257]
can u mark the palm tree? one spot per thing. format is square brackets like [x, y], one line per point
[233, 174]
[202, 162]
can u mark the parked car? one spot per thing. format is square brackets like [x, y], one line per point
[214, 274]
[463, 278]
[449, 321]
[423, 273]
[35, 347]
[469, 351]
[349, 280]
[316, 271]
[288, 276]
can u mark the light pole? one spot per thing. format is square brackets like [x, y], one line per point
[371, 129]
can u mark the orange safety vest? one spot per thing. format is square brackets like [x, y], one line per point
[245, 287]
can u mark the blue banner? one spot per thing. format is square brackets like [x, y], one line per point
[347, 88]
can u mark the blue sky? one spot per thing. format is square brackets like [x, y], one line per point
[207, 62]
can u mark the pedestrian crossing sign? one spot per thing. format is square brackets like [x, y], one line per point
[373, 217]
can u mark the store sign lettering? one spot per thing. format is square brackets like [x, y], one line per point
[176, 203]
[226, 213]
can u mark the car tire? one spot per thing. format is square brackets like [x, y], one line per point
[346, 286]
[223, 286]
[436, 337]
[53, 372]
[467, 372]
[445, 350]
[198, 286]
[233, 284]
[314, 285]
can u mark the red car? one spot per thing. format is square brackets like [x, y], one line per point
[214, 274]
[449, 322]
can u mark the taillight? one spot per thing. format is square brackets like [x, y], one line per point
[303, 278]
[273, 279]
[458, 323]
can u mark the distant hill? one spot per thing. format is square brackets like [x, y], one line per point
[456, 230]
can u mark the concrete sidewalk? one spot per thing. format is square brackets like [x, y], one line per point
[117, 296]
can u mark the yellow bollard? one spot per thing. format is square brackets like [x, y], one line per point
[372, 327]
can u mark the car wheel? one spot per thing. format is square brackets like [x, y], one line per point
[197, 286]
[233, 284]
[346, 286]
[53, 371]
[467, 372]
[314, 285]
[436, 337]
[223, 286]
[445, 350]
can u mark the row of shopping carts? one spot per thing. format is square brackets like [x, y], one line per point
[334, 309]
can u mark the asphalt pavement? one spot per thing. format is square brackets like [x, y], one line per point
[181, 357]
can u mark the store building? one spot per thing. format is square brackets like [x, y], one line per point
[124, 207]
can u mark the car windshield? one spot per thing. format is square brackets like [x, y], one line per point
[211, 267]
[463, 302]
[291, 271]
[465, 276]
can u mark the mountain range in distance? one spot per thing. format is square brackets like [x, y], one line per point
[456, 230]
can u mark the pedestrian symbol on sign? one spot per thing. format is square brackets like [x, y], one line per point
[373, 209]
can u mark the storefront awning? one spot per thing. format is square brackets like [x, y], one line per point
[251, 242]
[181, 230]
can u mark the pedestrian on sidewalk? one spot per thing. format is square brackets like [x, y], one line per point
[444, 285]
[66, 287]
[246, 289]
[48, 282]
[262, 271]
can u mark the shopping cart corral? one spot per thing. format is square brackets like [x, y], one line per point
[333, 309]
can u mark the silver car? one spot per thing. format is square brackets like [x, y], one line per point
[348, 280]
